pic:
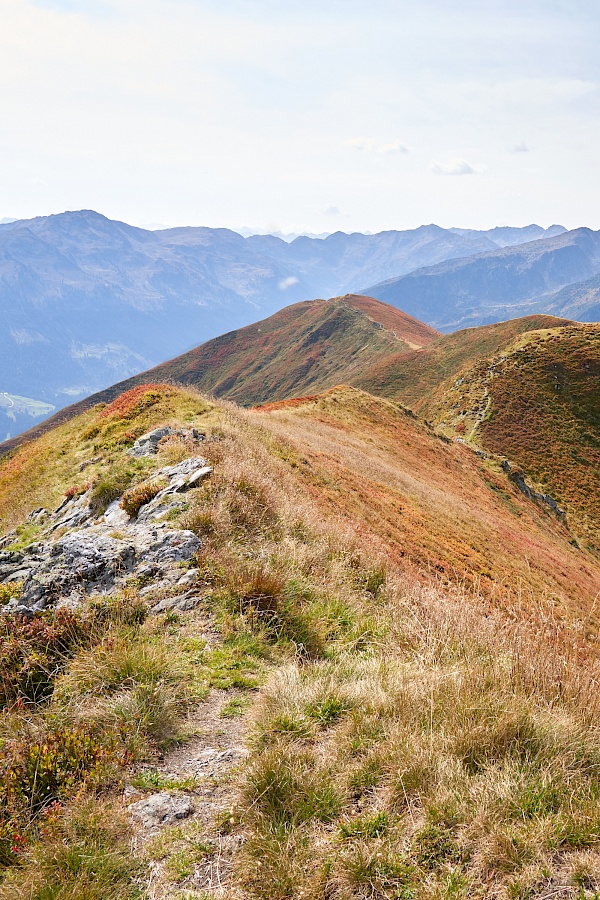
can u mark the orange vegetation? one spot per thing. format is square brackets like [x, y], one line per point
[434, 504]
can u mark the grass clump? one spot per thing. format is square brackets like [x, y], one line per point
[25, 535]
[110, 485]
[270, 605]
[135, 682]
[153, 780]
[136, 497]
[365, 826]
[85, 856]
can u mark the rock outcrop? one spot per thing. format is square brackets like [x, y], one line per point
[97, 554]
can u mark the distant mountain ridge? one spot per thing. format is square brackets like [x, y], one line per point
[86, 301]
[488, 287]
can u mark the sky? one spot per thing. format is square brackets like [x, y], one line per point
[320, 115]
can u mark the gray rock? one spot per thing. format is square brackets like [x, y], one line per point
[180, 602]
[169, 546]
[19, 575]
[518, 479]
[86, 555]
[147, 444]
[37, 516]
[186, 467]
[115, 516]
[189, 577]
[161, 809]
[160, 506]
[8, 539]
[73, 513]
[198, 476]
[188, 601]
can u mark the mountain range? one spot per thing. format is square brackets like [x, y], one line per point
[500, 284]
[86, 301]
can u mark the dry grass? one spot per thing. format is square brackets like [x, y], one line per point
[409, 741]
[436, 762]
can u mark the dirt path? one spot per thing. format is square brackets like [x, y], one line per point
[190, 853]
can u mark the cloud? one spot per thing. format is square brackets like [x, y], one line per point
[520, 148]
[39, 182]
[453, 167]
[331, 211]
[358, 143]
[288, 282]
[373, 146]
[393, 147]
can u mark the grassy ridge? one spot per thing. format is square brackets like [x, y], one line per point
[417, 729]
[304, 348]
[415, 378]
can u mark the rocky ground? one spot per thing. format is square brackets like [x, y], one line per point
[81, 553]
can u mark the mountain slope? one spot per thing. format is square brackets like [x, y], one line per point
[414, 378]
[434, 504]
[505, 236]
[514, 281]
[538, 403]
[304, 348]
[580, 301]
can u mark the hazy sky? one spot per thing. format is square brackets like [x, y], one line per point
[320, 115]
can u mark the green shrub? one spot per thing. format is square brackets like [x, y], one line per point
[38, 771]
[10, 591]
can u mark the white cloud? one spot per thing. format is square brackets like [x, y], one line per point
[393, 147]
[453, 167]
[358, 143]
[289, 282]
[39, 182]
[373, 146]
[520, 148]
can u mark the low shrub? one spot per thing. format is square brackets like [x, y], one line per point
[138, 496]
[39, 770]
[10, 591]
[33, 652]
[76, 490]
